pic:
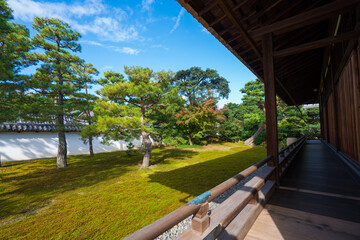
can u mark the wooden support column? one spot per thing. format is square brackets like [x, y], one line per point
[335, 102]
[321, 111]
[270, 102]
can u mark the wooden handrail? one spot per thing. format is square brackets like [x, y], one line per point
[296, 142]
[223, 187]
[221, 216]
[158, 227]
[285, 158]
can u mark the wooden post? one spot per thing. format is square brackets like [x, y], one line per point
[326, 114]
[335, 102]
[270, 102]
[201, 221]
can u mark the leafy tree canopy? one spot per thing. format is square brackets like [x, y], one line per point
[57, 86]
[124, 109]
[254, 94]
[196, 84]
[14, 47]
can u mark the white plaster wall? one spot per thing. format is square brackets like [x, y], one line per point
[30, 145]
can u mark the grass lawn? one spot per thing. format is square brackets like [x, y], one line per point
[108, 197]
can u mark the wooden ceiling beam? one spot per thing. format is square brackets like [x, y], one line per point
[226, 29]
[285, 12]
[207, 8]
[317, 44]
[295, 71]
[284, 41]
[228, 12]
[231, 16]
[306, 18]
[257, 14]
[233, 38]
[292, 62]
[219, 19]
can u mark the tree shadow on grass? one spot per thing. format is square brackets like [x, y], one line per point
[198, 178]
[165, 155]
[26, 184]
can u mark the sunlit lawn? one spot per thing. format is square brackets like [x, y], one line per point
[108, 197]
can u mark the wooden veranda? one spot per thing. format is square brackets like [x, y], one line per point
[305, 51]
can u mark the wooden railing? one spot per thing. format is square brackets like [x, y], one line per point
[248, 200]
[286, 155]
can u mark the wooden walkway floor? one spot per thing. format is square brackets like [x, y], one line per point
[317, 199]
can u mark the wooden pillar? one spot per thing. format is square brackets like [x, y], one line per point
[335, 102]
[326, 114]
[270, 102]
[321, 112]
[356, 89]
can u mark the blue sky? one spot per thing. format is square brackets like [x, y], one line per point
[158, 34]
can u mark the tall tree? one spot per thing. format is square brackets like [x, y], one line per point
[123, 112]
[200, 89]
[85, 73]
[14, 47]
[254, 95]
[55, 83]
[196, 85]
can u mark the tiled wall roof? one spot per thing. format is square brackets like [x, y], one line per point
[34, 127]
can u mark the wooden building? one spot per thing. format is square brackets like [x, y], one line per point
[305, 51]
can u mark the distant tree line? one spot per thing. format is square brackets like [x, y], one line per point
[172, 108]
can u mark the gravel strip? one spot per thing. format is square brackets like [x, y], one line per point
[175, 231]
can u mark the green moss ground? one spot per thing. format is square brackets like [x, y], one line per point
[108, 197]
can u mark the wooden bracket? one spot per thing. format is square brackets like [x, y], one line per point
[255, 199]
[201, 221]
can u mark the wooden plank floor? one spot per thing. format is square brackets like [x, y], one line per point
[317, 199]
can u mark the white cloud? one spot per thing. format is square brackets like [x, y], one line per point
[27, 10]
[91, 42]
[127, 50]
[177, 23]
[107, 67]
[204, 30]
[146, 4]
[108, 29]
[107, 23]
[160, 46]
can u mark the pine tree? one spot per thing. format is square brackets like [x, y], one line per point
[254, 95]
[85, 73]
[55, 84]
[14, 47]
[200, 88]
[123, 112]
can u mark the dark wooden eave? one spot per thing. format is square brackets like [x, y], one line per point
[301, 30]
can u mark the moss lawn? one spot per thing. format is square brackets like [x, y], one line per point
[108, 196]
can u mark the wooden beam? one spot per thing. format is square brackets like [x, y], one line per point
[356, 87]
[317, 44]
[257, 14]
[224, 16]
[283, 41]
[350, 47]
[336, 107]
[229, 13]
[233, 38]
[306, 18]
[217, 20]
[270, 102]
[226, 29]
[207, 8]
